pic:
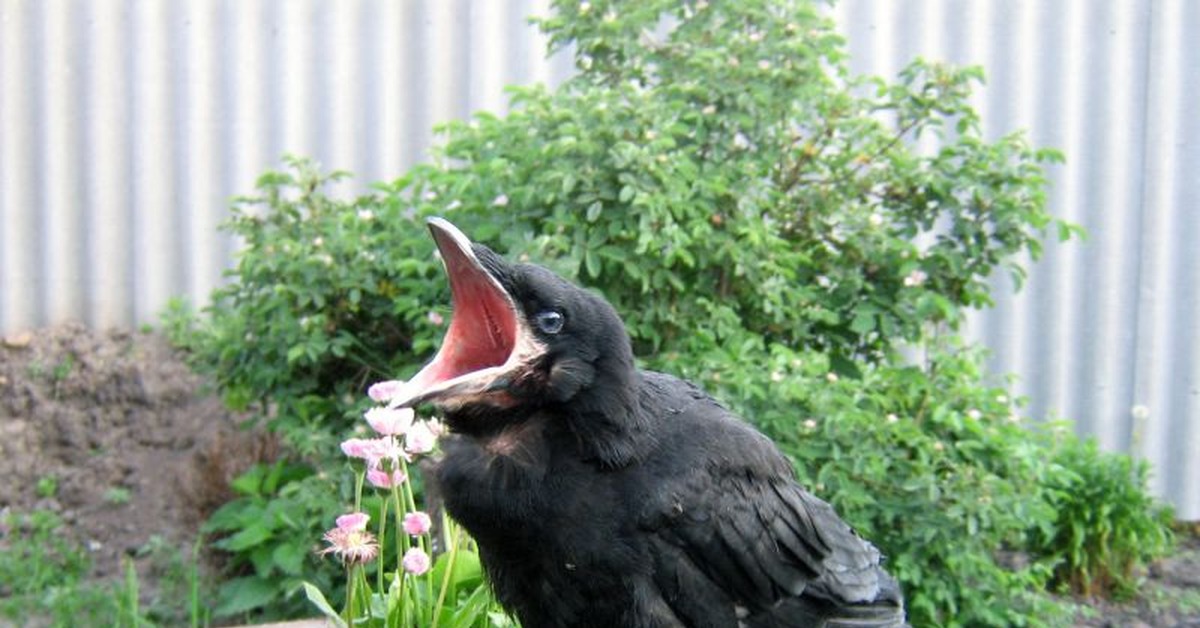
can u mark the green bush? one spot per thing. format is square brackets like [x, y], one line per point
[1107, 524]
[767, 227]
[935, 467]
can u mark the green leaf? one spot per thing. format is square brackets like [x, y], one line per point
[289, 557]
[591, 262]
[467, 569]
[248, 537]
[317, 598]
[249, 483]
[296, 352]
[863, 322]
[247, 593]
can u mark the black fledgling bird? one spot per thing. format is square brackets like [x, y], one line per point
[602, 495]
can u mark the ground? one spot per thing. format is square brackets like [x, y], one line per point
[113, 432]
[1169, 596]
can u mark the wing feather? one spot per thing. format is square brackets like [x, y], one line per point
[763, 539]
[731, 531]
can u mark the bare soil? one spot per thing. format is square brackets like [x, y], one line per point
[135, 447]
[114, 433]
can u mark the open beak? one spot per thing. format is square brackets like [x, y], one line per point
[487, 343]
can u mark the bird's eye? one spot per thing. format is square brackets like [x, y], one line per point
[549, 321]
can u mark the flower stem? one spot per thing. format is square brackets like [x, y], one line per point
[401, 538]
[350, 594]
[453, 539]
[383, 512]
[358, 486]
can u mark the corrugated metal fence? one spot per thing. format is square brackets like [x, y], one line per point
[126, 126]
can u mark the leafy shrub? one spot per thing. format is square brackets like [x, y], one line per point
[1107, 525]
[722, 158]
[270, 532]
[327, 294]
[926, 461]
[765, 225]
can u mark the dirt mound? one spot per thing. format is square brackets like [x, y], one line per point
[115, 434]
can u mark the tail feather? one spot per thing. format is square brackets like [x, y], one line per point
[809, 612]
[815, 609]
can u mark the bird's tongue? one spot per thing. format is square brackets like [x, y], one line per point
[483, 333]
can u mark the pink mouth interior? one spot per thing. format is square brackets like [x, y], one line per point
[483, 326]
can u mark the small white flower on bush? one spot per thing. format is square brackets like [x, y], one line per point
[915, 278]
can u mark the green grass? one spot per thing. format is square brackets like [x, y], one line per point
[44, 575]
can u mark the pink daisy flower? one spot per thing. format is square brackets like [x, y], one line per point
[419, 439]
[353, 521]
[416, 561]
[389, 421]
[417, 523]
[382, 479]
[350, 540]
[382, 392]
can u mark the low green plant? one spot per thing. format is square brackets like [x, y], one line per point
[46, 486]
[117, 495]
[182, 590]
[1106, 526]
[43, 574]
[267, 533]
[63, 369]
[34, 558]
[128, 600]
